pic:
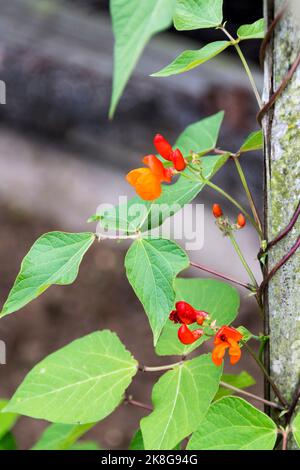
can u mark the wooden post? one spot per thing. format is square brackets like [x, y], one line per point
[282, 193]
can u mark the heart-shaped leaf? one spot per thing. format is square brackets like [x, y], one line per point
[188, 60]
[198, 14]
[78, 384]
[151, 267]
[252, 31]
[181, 399]
[233, 424]
[255, 141]
[53, 259]
[134, 23]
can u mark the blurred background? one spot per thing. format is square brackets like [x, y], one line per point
[60, 157]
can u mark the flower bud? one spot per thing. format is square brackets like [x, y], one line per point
[163, 147]
[241, 221]
[186, 336]
[178, 160]
[217, 211]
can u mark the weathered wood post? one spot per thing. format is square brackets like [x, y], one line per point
[282, 193]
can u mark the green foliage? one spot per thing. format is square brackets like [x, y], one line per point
[252, 31]
[80, 383]
[247, 335]
[255, 141]
[140, 215]
[151, 267]
[85, 445]
[137, 442]
[233, 424]
[53, 259]
[134, 23]
[296, 429]
[61, 436]
[7, 420]
[188, 60]
[242, 380]
[220, 300]
[198, 14]
[8, 442]
[181, 399]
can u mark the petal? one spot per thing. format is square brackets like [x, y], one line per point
[218, 353]
[133, 175]
[168, 174]
[178, 160]
[155, 166]
[227, 332]
[148, 186]
[163, 147]
[235, 354]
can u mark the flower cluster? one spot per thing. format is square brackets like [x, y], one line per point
[225, 338]
[147, 181]
[224, 224]
[185, 314]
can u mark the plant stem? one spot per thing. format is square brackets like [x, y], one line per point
[248, 193]
[159, 368]
[234, 202]
[223, 276]
[250, 395]
[242, 258]
[103, 236]
[263, 369]
[285, 435]
[245, 64]
[130, 401]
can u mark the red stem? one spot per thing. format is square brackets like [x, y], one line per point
[223, 276]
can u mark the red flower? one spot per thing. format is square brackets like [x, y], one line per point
[186, 314]
[178, 160]
[186, 336]
[164, 148]
[217, 211]
[241, 221]
[147, 181]
[227, 338]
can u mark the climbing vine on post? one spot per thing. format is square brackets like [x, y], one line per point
[82, 383]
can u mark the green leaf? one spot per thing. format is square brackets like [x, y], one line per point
[255, 141]
[137, 442]
[8, 442]
[233, 424]
[53, 259]
[252, 31]
[181, 399]
[296, 429]
[188, 60]
[247, 335]
[80, 383]
[242, 380]
[217, 298]
[140, 215]
[7, 420]
[85, 445]
[198, 14]
[151, 267]
[134, 23]
[61, 436]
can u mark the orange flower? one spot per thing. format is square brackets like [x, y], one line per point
[147, 181]
[227, 337]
